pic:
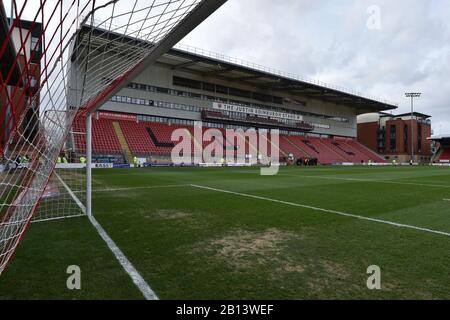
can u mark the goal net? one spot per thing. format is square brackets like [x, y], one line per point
[62, 59]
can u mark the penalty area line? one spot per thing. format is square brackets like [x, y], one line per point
[135, 276]
[141, 188]
[140, 283]
[368, 180]
[349, 215]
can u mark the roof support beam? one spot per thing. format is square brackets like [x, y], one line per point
[185, 64]
[288, 88]
[248, 78]
[189, 23]
[219, 71]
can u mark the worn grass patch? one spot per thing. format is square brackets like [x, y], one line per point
[244, 249]
[169, 214]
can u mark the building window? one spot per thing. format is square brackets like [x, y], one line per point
[393, 138]
[419, 139]
[405, 138]
[35, 44]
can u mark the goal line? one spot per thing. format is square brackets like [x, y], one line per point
[128, 267]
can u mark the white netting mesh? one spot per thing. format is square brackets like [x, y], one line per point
[85, 51]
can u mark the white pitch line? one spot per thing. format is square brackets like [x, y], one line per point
[395, 224]
[59, 218]
[369, 180]
[141, 188]
[72, 194]
[137, 279]
[140, 283]
[446, 199]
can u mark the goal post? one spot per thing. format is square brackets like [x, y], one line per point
[62, 64]
[89, 164]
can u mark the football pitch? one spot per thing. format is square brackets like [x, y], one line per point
[230, 233]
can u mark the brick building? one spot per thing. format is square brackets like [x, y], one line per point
[20, 78]
[390, 135]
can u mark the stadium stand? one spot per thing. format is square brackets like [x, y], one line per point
[317, 149]
[143, 115]
[291, 148]
[255, 120]
[335, 148]
[365, 152]
[441, 145]
[104, 139]
[445, 156]
[130, 138]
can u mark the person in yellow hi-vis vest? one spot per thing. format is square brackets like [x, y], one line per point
[136, 162]
[82, 160]
[64, 159]
[59, 160]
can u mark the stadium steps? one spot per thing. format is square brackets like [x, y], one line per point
[324, 154]
[347, 152]
[137, 137]
[328, 145]
[274, 146]
[228, 145]
[365, 152]
[197, 143]
[296, 147]
[313, 153]
[360, 156]
[104, 139]
[368, 152]
[247, 143]
[123, 142]
[437, 155]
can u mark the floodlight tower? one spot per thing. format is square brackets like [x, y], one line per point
[412, 95]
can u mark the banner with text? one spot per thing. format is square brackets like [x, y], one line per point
[256, 111]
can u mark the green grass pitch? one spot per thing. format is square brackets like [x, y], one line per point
[192, 243]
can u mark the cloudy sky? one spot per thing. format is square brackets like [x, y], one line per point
[379, 47]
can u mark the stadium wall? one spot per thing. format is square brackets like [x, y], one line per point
[161, 76]
[368, 135]
[172, 100]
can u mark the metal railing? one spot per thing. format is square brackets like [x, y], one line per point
[292, 76]
[248, 64]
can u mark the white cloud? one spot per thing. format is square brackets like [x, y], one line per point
[330, 41]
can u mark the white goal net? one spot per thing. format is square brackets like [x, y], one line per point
[63, 59]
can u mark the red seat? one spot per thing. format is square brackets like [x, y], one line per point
[287, 146]
[369, 154]
[154, 138]
[104, 138]
[445, 156]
